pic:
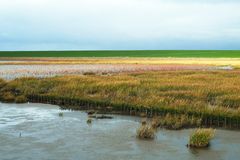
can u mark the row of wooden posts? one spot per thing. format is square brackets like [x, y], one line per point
[107, 107]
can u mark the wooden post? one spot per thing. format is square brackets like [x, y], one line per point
[230, 122]
[225, 122]
[238, 123]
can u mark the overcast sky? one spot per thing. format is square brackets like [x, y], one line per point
[119, 24]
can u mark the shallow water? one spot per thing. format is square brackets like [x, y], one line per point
[35, 131]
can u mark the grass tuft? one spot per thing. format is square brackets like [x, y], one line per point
[89, 121]
[201, 137]
[60, 114]
[145, 131]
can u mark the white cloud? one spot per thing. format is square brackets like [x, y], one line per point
[119, 24]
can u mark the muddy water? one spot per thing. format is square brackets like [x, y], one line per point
[35, 131]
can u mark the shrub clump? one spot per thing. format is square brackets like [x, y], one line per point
[7, 97]
[176, 122]
[145, 131]
[21, 99]
[89, 73]
[201, 137]
[2, 83]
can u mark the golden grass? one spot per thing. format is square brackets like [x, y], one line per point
[201, 61]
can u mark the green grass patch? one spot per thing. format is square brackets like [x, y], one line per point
[127, 53]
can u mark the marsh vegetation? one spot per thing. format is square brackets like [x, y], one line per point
[211, 97]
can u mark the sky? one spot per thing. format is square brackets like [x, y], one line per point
[119, 24]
